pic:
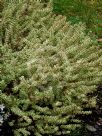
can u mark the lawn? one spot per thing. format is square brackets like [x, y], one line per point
[86, 11]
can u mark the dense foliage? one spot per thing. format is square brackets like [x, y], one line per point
[47, 69]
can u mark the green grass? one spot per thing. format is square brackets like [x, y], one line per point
[87, 11]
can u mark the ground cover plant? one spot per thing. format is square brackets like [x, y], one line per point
[87, 11]
[48, 67]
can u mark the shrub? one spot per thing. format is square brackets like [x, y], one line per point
[47, 74]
